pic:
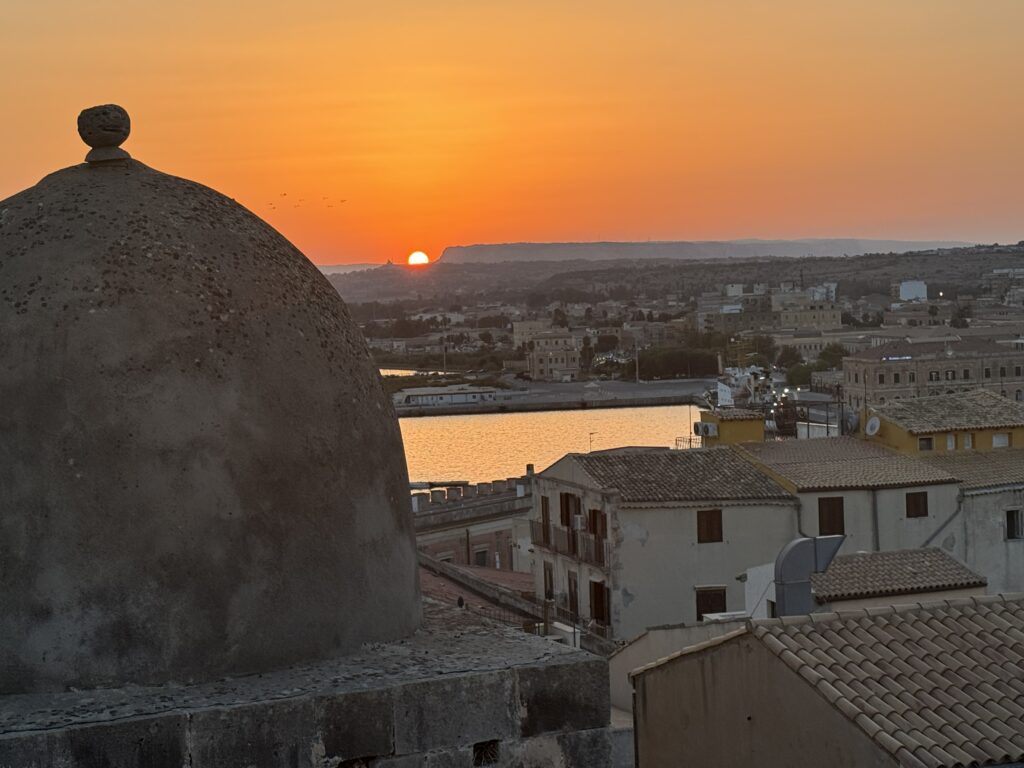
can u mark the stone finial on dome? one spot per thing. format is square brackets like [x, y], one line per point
[104, 128]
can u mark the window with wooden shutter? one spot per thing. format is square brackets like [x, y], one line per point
[917, 504]
[709, 525]
[600, 610]
[711, 600]
[830, 516]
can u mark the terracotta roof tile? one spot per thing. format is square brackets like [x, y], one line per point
[974, 409]
[699, 474]
[982, 470]
[929, 350]
[948, 708]
[832, 463]
[901, 572]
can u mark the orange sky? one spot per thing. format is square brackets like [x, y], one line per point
[460, 121]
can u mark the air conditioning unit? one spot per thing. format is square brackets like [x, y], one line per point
[698, 427]
[708, 429]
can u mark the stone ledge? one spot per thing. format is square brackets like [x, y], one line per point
[443, 691]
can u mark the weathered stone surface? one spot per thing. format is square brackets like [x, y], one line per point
[107, 125]
[158, 742]
[358, 725]
[331, 713]
[563, 697]
[457, 712]
[281, 734]
[202, 474]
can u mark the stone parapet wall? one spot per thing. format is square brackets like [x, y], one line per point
[450, 696]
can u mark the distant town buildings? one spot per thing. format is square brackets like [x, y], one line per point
[910, 290]
[906, 369]
[555, 356]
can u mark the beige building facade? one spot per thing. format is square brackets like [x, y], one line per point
[901, 369]
[555, 356]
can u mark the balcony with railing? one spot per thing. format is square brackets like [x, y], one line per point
[589, 548]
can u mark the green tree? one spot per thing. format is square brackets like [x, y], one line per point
[788, 357]
[832, 356]
[764, 345]
[558, 317]
[586, 354]
[798, 375]
[487, 337]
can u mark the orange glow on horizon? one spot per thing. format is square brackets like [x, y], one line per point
[538, 121]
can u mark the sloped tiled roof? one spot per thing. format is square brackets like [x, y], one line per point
[738, 414]
[990, 469]
[936, 686]
[902, 572]
[934, 350]
[974, 409]
[834, 463]
[693, 475]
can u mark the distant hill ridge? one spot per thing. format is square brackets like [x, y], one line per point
[689, 250]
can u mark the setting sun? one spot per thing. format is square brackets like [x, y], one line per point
[418, 258]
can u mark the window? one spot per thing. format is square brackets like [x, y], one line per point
[968, 441]
[912, 377]
[856, 378]
[933, 375]
[569, 507]
[881, 378]
[772, 611]
[1017, 397]
[1002, 372]
[917, 504]
[549, 582]
[545, 520]
[967, 374]
[480, 557]
[600, 610]
[710, 600]
[1016, 371]
[925, 443]
[895, 378]
[709, 525]
[1000, 439]
[950, 375]
[830, 516]
[988, 373]
[1014, 524]
[951, 442]
[574, 594]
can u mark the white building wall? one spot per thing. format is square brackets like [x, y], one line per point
[988, 552]
[658, 564]
[895, 529]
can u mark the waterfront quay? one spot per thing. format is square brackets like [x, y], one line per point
[575, 395]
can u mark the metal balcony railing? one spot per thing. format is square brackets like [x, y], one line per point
[586, 546]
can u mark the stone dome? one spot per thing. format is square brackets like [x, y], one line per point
[201, 474]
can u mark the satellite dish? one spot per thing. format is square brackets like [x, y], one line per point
[872, 427]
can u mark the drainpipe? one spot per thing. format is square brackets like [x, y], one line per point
[874, 519]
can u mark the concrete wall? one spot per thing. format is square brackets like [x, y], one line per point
[987, 551]
[888, 505]
[656, 643]
[737, 704]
